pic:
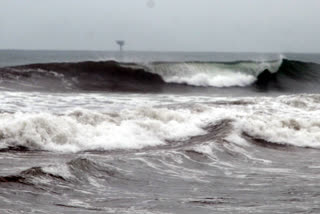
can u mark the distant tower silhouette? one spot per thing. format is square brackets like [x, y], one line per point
[121, 44]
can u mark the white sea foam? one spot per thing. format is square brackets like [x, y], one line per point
[272, 120]
[220, 80]
[60, 170]
[292, 120]
[214, 74]
[89, 130]
[302, 132]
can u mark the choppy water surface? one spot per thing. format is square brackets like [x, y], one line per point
[120, 153]
[185, 135]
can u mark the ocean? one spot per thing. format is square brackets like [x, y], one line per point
[155, 132]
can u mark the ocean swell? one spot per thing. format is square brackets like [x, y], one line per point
[283, 75]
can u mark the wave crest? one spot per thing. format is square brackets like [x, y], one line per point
[213, 74]
[83, 130]
[282, 74]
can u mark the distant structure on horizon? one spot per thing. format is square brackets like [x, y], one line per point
[121, 43]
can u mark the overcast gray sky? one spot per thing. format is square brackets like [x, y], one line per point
[163, 25]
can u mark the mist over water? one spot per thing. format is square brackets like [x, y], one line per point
[159, 132]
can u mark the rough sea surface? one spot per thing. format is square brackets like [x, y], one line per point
[99, 132]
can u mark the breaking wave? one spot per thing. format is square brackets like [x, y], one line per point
[164, 128]
[212, 73]
[74, 171]
[282, 74]
[83, 130]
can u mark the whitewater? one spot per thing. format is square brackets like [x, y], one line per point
[159, 133]
[152, 121]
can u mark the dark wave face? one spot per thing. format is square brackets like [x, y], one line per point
[275, 76]
[108, 75]
[291, 76]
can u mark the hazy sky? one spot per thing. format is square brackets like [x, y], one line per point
[172, 25]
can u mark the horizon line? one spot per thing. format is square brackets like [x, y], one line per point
[161, 51]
